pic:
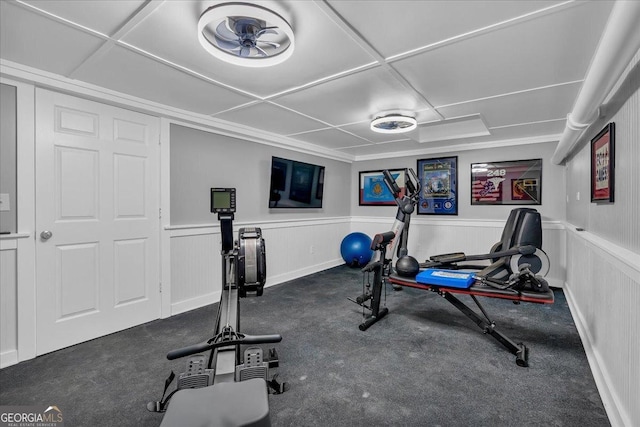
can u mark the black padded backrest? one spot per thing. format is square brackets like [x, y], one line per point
[528, 230]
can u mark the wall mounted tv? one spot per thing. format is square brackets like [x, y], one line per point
[295, 184]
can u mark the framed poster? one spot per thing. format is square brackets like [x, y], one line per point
[602, 165]
[438, 186]
[517, 182]
[373, 190]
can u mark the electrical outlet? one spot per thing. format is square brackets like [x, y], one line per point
[4, 202]
[312, 249]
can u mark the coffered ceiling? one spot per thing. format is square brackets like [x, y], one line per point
[471, 72]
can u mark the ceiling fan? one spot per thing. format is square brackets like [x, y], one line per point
[245, 34]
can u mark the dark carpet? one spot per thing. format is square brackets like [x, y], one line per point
[425, 364]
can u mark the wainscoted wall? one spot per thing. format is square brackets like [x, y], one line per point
[603, 290]
[294, 248]
[437, 236]
[603, 280]
[8, 303]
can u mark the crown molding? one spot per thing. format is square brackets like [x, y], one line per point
[44, 79]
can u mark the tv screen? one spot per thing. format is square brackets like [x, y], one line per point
[295, 184]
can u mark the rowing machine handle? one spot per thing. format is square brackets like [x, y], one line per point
[188, 351]
[261, 339]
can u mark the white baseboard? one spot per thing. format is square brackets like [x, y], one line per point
[616, 414]
[8, 358]
[195, 302]
[290, 275]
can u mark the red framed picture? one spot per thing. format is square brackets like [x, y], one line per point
[602, 165]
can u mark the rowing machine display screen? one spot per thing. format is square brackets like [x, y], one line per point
[223, 200]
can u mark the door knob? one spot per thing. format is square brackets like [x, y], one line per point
[46, 235]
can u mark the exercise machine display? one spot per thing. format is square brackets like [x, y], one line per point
[228, 386]
[515, 271]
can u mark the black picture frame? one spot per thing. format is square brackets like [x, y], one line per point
[438, 179]
[372, 191]
[515, 182]
[603, 165]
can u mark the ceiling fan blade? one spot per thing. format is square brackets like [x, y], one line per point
[245, 52]
[226, 44]
[223, 31]
[261, 51]
[274, 44]
[266, 30]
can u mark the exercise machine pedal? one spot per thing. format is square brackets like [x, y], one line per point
[196, 374]
[253, 367]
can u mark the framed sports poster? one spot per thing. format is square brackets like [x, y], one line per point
[374, 191]
[602, 165]
[438, 186]
[517, 182]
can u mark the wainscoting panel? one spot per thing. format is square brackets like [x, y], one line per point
[8, 304]
[603, 291]
[294, 249]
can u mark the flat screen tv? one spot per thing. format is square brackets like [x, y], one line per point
[295, 184]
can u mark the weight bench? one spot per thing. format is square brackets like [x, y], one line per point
[478, 289]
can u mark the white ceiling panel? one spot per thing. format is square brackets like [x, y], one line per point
[426, 22]
[517, 64]
[99, 15]
[555, 48]
[125, 71]
[26, 38]
[322, 48]
[331, 138]
[271, 118]
[463, 127]
[355, 98]
[525, 107]
[386, 148]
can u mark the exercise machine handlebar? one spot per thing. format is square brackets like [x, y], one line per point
[241, 339]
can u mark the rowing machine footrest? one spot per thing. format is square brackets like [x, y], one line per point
[254, 365]
[449, 258]
[196, 374]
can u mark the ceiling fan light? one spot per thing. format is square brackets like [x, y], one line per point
[393, 123]
[247, 53]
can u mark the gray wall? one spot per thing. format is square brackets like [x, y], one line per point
[8, 220]
[553, 182]
[201, 160]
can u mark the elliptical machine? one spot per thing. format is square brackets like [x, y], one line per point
[226, 387]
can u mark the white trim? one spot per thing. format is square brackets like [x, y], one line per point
[196, 229]
[8, 358]
[195, 302]
[25, 205]
[461, 147]
[622, 259]
[601, 378]
[455, 222]
[63, 84]
[165, 218]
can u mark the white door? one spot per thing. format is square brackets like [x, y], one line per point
[97, 225]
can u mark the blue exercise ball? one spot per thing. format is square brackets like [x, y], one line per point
[356, 249]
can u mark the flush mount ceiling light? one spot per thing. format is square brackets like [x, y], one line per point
[245, 34]
[393, 123]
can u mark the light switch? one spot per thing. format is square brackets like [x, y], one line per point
[4, 202]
